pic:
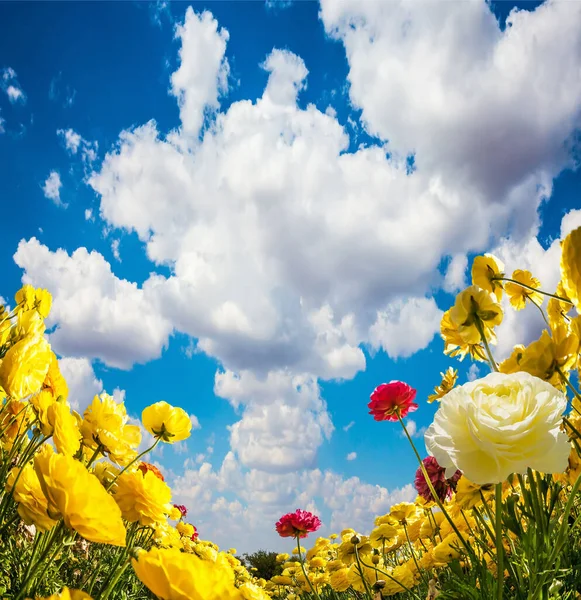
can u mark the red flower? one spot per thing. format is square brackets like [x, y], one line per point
[145, 466]
[297, 524]
[437, 474]
[183, 510]
[195, 534]
[392, 399]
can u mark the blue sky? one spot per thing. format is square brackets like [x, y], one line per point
[220, 200]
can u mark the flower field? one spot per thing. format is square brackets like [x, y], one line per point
[498, 513]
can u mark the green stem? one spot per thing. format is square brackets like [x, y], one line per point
[433, 491]
[568, 383]
[150, 449]
[528, 287]
[361, 573]
[499, 546]
[542, 313]
[480, 328]
[303, 568]
[392, 578]
[420, 571]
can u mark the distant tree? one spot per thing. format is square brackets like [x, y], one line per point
[264, 562]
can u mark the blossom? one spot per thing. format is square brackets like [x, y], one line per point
[518, 294]
[475, 305]
[66, 434]
[390, 400]
[297, 524]
[27, 493]
[498, 425]
[25, 366]
[174, 575]
[449, 379]
[183, 510]
[443, 486]
[67, 594]
[167, 422]
[469, 495]
[105, 425]
[143, 497]
[78, 496]
[571, 267]
[484, 271]
[145, 466]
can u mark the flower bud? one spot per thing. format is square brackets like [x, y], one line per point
[355, 540]
[375, 559]
[378, 585]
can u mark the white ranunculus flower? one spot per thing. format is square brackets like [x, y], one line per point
[498, 425]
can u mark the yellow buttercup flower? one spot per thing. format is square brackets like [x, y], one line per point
[454, 344]
[143, 497]
[105, 425]
[174, 575]
[484, 271]
[475, 304]
[66, 434]
[14, 420]
[54, 381]
[469, 495]
[402, 577]
[78, 496]
[67, 594]
[28, 494]
[518, 294]
[447, 550]
[25, 297]
[404, 512]
[571, 267]
[167, 422]
[251, 591]
[25, 366]
[186, 530]
[449, 379]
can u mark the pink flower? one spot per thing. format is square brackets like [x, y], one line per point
[437, 474]
[392, 399]
[195, 534]
[183, 510]
[297, 524]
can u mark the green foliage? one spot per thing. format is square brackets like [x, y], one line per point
[264, 562]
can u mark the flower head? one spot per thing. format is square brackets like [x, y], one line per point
[297, 524]
[167, 422]
[443, 486]
[183, 510]
[390, 400]
[449, 379]
[485, 270]
[145, 466]
[498, 425]
[518, 294]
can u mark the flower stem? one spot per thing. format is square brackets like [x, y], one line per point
[480, 328]
[150, 449]
[528, 287]
[499, 546]
[304, 570]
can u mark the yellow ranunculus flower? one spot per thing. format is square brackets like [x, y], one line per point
[167, 422]
[66, 434]
[186, 529]
[382, 534]
[67, 594]
[174, 575]
[518, 294]
[471, 304]
[143, 497]
[403, 575]
[13, 421]
[54, 381]
[449, 379]
[571, 267]
[282, 557]
[251, 591]
[78, 496]
[447, 550]
[498, 425]
[25, 297]
[27, 493]
[25, 366]
[105, 424]
[454, 344]
[468, 494]
[484, 270]
[404, 512]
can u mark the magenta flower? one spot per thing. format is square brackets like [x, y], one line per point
[392, 399]
[437, 474]
[297, 524]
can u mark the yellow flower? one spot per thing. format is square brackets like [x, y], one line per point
[25, 297]
[475, 304]
[454, 344]
[66, 434]
[250, 591]
[78, 496]
[511, 364]
[468, 494]
[25, 366]
[498, 425]
[449, 379]
[105, 425]
[339, 580]
[13, 421]
[571, 267]
[404, 578]
[167, 422]
[143, 497]
[27, 493]
[447, 550]
[67, 594]
[404, 512]
[282, 557]
[518, 294]
[54, 381]
[174, 575]
[484, 270]
[186, 530]
[382, 534]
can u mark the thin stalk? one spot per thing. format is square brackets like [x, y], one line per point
[361, 574]
[150, 449]
[480, 328]
[532, 289]
[303, 568]
[499, 546]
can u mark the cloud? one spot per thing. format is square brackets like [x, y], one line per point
[9, 83]
[351, 456]
[81, 380]
[115, 250]
[348, 426]
[473, 372]
[52, 188]
[413, 430]
[455, 278]
[59, 92]
[96, 314]
[75, 144]
[195, 422]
